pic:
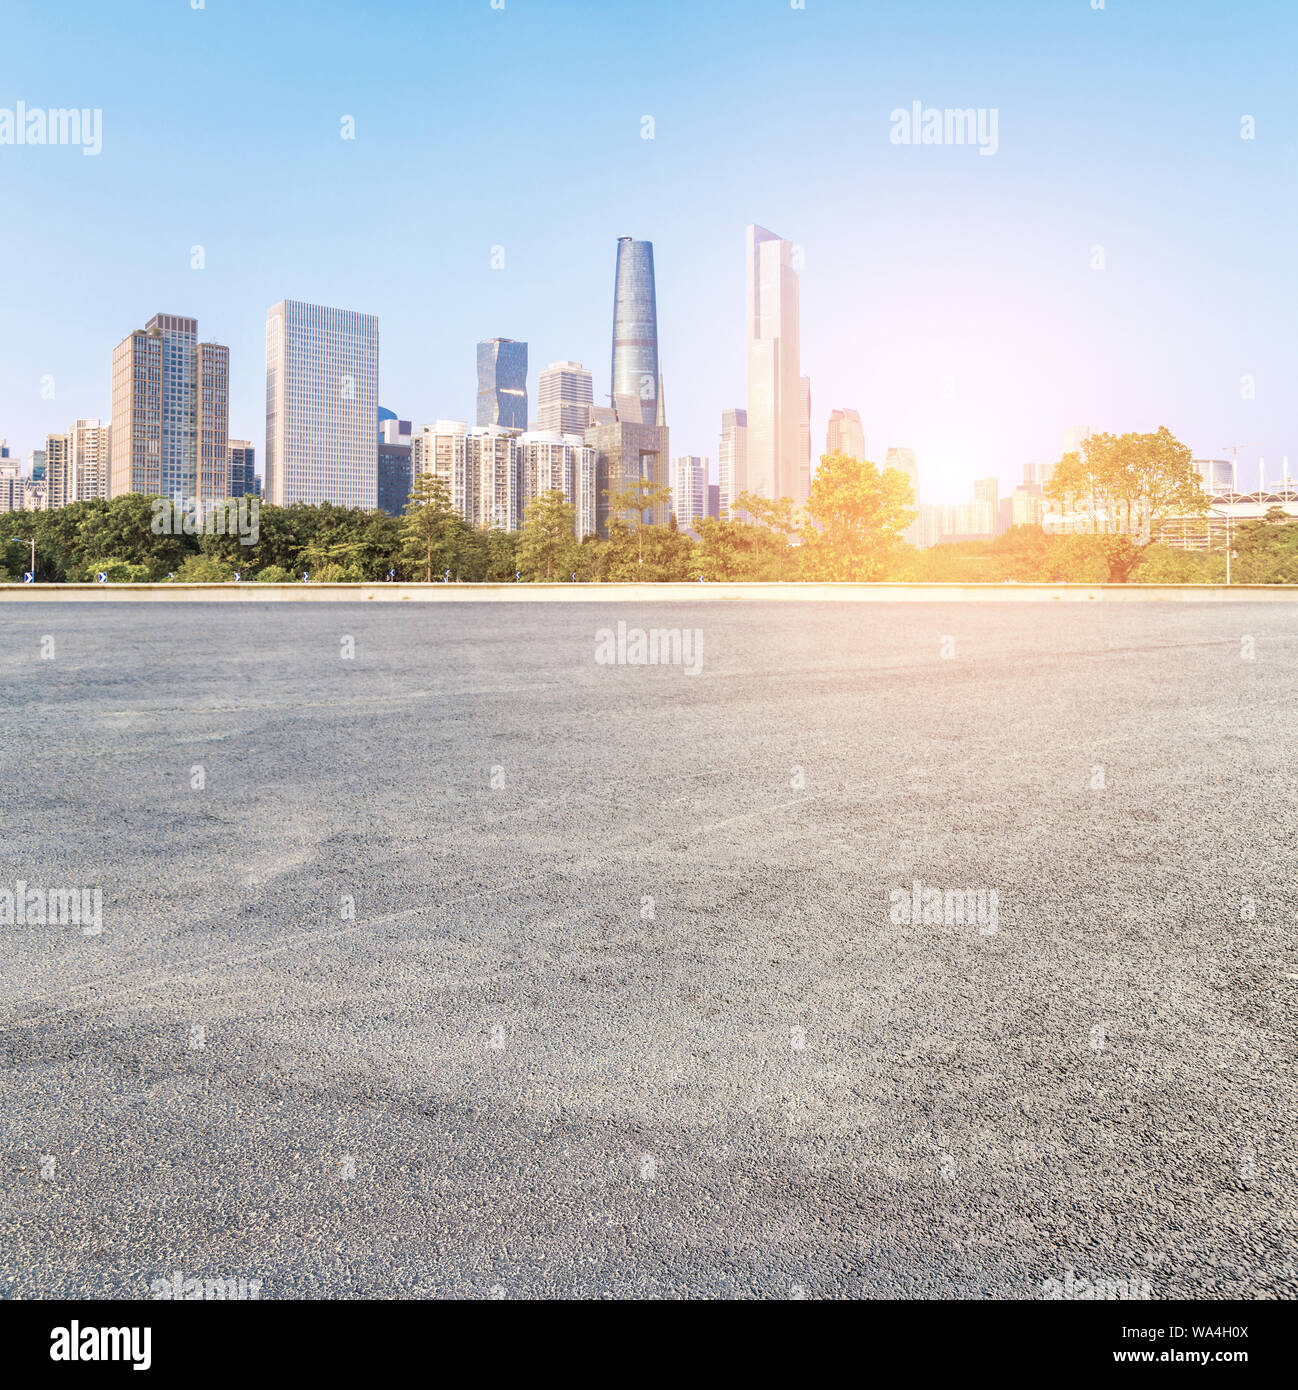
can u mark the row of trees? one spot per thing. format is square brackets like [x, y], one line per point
[850, 529]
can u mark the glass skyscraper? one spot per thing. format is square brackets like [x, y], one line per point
[635, 374]
[322, 384]
[502, 383]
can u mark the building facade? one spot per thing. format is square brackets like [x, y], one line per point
[635, 372]
[394, 464]
[502, 383]
[171, 413]
[904, 461]
[322, 378]
[845, 434]
[689, 489]
[243, 469]
[778, 456]
[564, 398]
[732, 459]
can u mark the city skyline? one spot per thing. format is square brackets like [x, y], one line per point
[965, 322]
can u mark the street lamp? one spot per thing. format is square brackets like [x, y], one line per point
[1226, 514]
[32, 539]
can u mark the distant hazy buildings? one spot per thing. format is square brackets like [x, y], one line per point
[171, 413]
[564, 398]
[732, 459]
[394, 479]
[903, 460]
[689, 489]
[322, 378]
[1216, 476]
[635, 373]
[845, 434]
[502, 383]
[1074, 438]
[778, 454]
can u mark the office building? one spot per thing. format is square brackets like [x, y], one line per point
[170, 421]
[732, 458]
[322, 377]
[1216, 476]
[243, 469]
[778, 456]
[502, 383]
[714, 501]
[903, 460]
[635, 373]
[564, 399]
[845, 434]
[394, 467]
[689, 489]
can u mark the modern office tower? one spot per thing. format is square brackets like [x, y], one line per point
[689, 489]
[394, 464]
[1216, 476]
[1026, 507]
[564, 398]
[976, 519]
[635, 374]
[12, 491]
[492, 458]
[36, 465]
[552, 462]
[714, 501]
[1038, 474]
[4, 449]
[322, 379]
[602, 415]
[243, 469]
[441, 449]
[732, 458]
[904, 461]
[625, 452]
[502, 383]
[77, 463]
[170, 413]
[845, 434]
[778, 459]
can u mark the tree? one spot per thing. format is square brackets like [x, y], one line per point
[858, 514]
[432, 534]
[627, 508]
[548, 538]
[1127, 483]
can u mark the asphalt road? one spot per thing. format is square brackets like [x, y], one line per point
[623, 1008]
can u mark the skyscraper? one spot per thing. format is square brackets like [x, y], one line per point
[322, 378]
[243, 469]
[845, 434]
[552, 462]
[689, 489]
[564, 398]
[635, 374]
[171, 413]
[632, 440]
[79, 462]
[778, 455]
[502, 383]
[732, 459]
[394, 481]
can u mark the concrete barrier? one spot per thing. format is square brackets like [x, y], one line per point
[645, 593]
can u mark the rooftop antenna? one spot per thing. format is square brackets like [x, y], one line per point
[1234, 465]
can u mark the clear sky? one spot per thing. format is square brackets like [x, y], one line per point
[946, 295]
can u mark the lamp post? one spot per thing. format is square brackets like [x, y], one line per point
[32, 540]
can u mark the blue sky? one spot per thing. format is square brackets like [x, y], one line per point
[948, 296]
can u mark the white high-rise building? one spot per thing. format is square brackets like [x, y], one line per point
[778, 462]
[552, 462]
[1074, 438]
[79, 462]
[689, 489]
[564, 398]
[732, 459]
[322, 383]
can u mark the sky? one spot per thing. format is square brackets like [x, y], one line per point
[951, 297]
